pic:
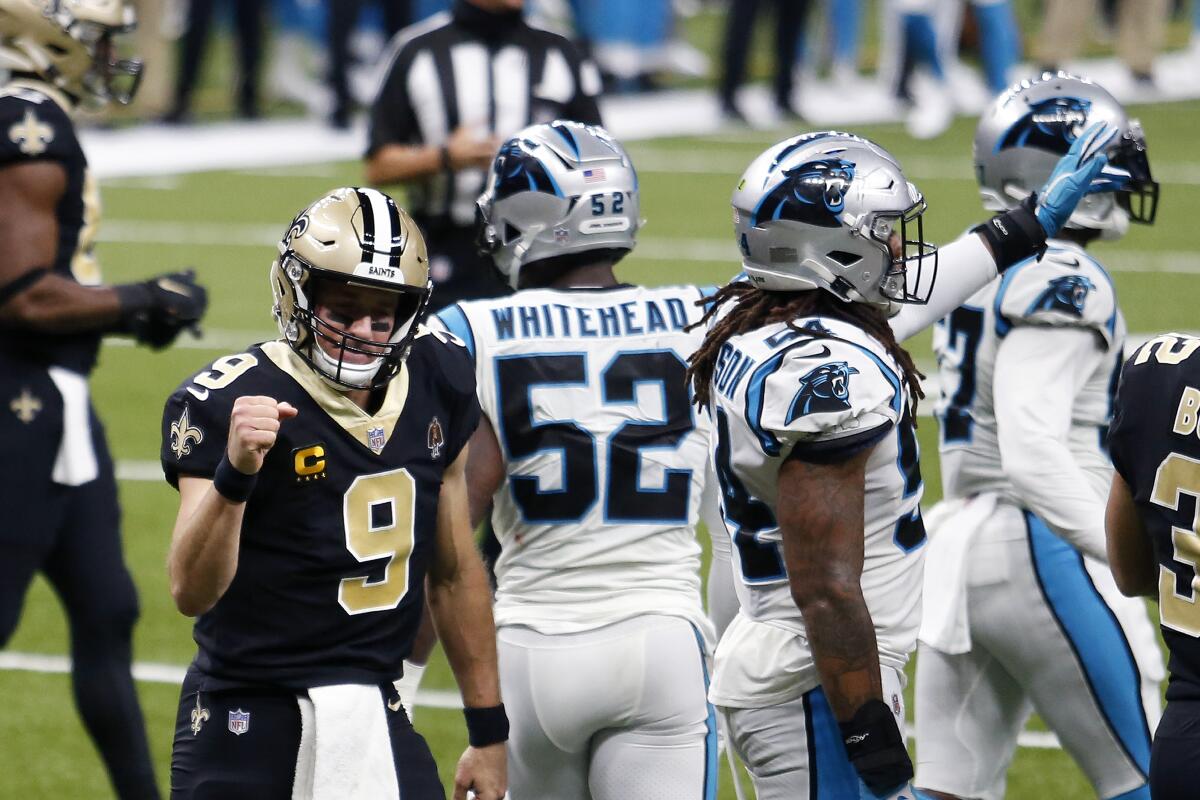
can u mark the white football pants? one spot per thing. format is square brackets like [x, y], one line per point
[1049, 631]
[616, 713]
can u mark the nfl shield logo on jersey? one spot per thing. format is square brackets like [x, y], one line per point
[239, 721]
[376, 440]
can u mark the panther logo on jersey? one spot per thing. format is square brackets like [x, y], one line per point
[826, 388]
[813, 192]
[1050, 125]
[1067, 294]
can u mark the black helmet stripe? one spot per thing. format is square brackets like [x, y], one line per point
[368, 223]
[396, 243]
[380, 219]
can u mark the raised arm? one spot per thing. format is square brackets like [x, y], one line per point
[203, 556]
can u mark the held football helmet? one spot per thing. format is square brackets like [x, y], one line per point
[834, 211]
[557, 189]
[1025, 131]
[358, 237]
[71, 44]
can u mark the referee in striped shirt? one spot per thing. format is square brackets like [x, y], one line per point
[458, 85]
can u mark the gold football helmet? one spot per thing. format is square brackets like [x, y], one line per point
[70, 44]
[362, 238]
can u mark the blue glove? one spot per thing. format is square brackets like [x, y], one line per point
[1072, 177]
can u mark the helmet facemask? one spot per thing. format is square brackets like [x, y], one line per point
[912, 270]
[1136, 190]
[306, 330]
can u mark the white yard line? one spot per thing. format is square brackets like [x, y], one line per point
[152, 672]
[172, 674]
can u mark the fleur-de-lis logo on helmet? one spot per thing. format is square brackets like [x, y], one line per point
[184, 435]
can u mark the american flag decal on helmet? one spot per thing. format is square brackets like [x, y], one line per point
[594, 175]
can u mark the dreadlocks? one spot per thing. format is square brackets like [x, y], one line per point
[757, 307]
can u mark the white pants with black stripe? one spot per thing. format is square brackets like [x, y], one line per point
[616, 713]
[794, 750]
[1051, 633]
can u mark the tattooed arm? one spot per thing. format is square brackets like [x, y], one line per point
[821, 519]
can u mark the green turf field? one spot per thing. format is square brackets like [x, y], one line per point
[223, 223]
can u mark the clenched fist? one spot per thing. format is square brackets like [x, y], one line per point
[253, 427]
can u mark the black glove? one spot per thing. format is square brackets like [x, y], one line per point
[155, 311]
[876, 748]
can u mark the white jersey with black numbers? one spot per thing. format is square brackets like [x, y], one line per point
[777, 393]
[605, 453]
[1066, 290]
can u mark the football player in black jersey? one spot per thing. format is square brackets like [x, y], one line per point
[1153, 528]
[322, 495]
[57, 488]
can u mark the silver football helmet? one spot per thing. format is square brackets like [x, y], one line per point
[1028, 128]
[362, 238]
[557, 189]
[834, 211]
[72, 45]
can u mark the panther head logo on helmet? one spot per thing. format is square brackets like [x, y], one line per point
[1051, 124]
[813, 192]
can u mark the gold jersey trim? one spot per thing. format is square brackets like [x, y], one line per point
[354, 420]
[51, 91]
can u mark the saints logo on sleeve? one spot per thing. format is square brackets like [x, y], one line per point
[184, 434]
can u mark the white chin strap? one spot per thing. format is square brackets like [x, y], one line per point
[357, 375]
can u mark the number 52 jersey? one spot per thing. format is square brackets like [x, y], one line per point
[605, 454]
[340, 528]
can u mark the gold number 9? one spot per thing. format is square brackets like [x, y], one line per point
[379, 512]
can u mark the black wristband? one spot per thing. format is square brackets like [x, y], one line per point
[486, 726]
[231, 483]
[444, 158]
[1014, 235]
[876, 748]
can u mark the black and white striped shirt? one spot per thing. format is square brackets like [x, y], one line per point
[493, 73]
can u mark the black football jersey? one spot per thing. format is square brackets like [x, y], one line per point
[340, 528]
[35, 125]
[1154, 446]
